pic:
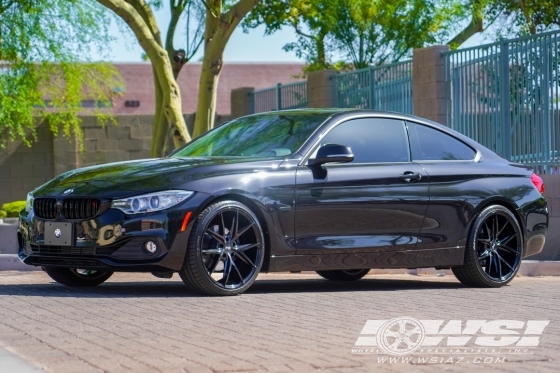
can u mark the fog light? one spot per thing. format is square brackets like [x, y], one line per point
[150, 247]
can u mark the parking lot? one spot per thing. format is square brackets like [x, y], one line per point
[284, 323]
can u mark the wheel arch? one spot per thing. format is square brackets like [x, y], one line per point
[509, 204]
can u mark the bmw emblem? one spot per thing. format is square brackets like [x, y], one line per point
[67, 191]
[57, 233]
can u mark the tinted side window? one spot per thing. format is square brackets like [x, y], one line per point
[372, 139]
[428, 144]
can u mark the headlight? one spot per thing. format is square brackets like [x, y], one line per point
[29, 202]
[151, 202]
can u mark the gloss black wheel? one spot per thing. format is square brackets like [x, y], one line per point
[225, 251]
[344, 274]
[78, 277]
[494, 249]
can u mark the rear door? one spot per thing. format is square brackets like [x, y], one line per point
[375, 203]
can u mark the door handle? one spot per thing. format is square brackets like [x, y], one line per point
[410, 176]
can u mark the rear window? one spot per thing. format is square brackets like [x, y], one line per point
[428, 144]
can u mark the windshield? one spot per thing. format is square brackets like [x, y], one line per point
[266, 135]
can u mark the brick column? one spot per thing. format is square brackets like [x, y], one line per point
[241, 102]
[320, 89]
[428, 83]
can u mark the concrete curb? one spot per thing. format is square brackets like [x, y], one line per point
[13, 363]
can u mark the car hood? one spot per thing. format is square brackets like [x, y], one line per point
[122, 179]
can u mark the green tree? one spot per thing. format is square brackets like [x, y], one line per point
[169, 127]
[361, 31]
[222, 18]
[41, 42]
[311, 20]
[383, 31]
[522, 17]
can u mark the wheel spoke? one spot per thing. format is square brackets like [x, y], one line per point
[496, 262]
[487, 230]
[395, 344]
[508, 249]
[393, 334]
[485, 241]
[504, 227]
[415, 330]
[236, 269]
[234, 225]
[408, 342]
[242, 230]
[223, 223]
[499, 263]
[402, 326]
[241, 255]
[246, 247]
[213, 267]
[216, 236]
[489, 265]
[484, 255]
[507, 239]
[503, 260]
[227, 270]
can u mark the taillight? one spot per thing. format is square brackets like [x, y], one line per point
[538, 182]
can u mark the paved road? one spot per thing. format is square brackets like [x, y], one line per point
[284, 323]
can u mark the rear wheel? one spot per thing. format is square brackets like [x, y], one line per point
[344, 275]
[78, 277]
[225, 250]
[493, 251]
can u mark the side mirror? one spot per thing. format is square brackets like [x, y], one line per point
[329, 153]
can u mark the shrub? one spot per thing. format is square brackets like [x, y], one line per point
[3, 214]
[12, 209]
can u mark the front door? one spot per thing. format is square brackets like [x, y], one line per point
[375, 203]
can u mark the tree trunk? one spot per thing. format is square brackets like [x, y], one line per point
[141, 21]
[207, 92]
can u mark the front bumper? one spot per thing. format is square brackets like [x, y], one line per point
[112, 240]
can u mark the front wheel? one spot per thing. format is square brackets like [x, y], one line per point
[225, 251]
[493, 251]
[344, 275]
[78, 277]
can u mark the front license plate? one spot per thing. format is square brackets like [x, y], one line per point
[59, 234]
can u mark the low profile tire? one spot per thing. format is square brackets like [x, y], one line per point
[494, 249]
[344, 275]
[225, 251]
[78, 277]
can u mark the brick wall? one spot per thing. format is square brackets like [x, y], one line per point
[23, 168]
[140, 85]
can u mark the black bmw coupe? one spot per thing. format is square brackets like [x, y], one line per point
[333, 191]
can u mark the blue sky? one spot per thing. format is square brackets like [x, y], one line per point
[242, 47]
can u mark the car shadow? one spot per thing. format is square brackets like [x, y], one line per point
[176, 289]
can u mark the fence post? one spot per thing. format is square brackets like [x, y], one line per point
[242, 102]
[279, 96]
[546, 104]
[428, 83]
[505, 100]
[371, 72]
